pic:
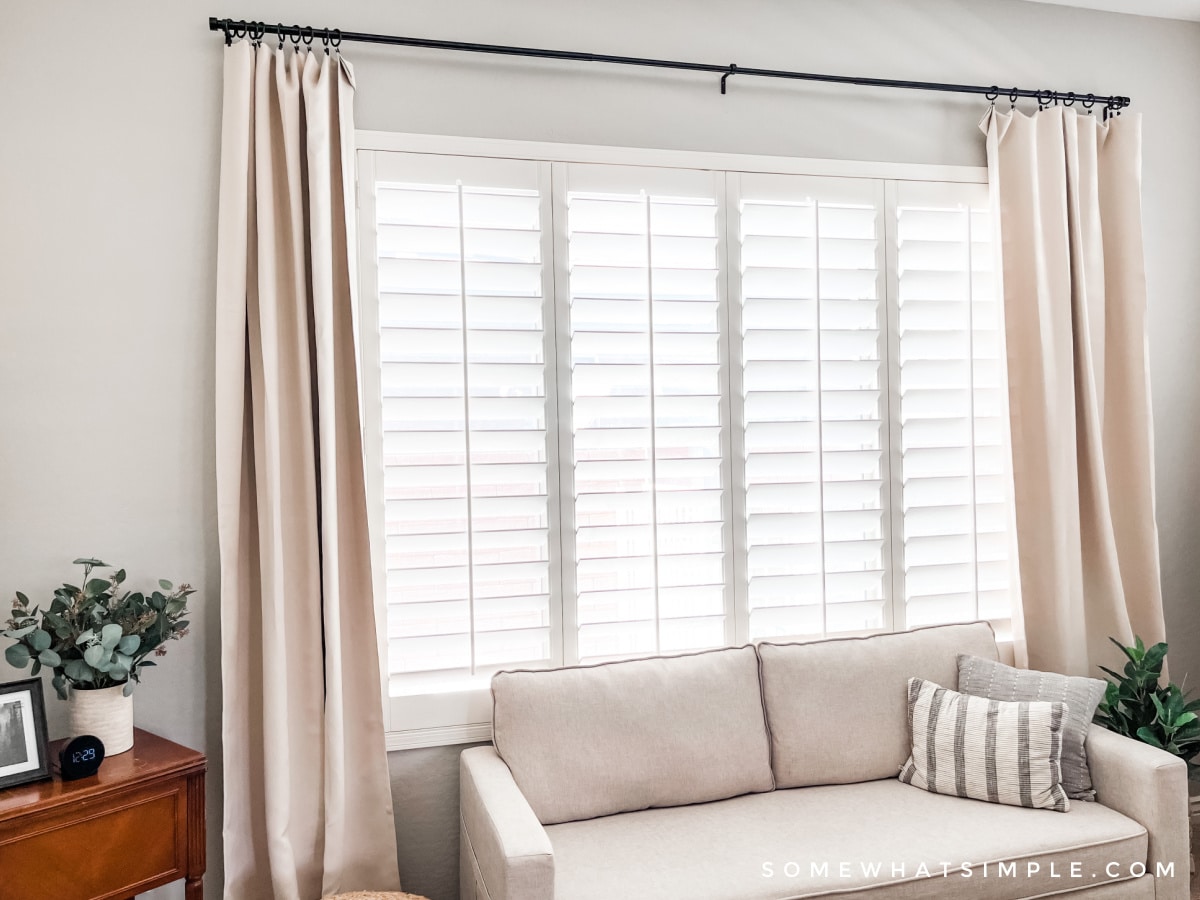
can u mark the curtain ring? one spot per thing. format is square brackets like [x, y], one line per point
[992, 95]
[335, 41]
[296, 38]
[307, 34]
[1070, 99]
[228, 36]
[279, 32]
[1044, 97]
[241, 29]
[1012, 99]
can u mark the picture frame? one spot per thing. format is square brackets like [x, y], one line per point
[24, 746]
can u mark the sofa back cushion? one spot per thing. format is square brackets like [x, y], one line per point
[838, 709]
[590, 741]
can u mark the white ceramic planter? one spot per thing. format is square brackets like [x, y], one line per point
[107, 713]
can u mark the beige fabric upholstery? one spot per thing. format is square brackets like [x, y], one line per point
[818, 693]
[1129, 889]
[1150, 787]
[717, 851]
[594, 740]
[505, 849]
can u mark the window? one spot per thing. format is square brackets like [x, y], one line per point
[616, 409]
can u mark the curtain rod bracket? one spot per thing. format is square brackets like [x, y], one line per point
[731, 71]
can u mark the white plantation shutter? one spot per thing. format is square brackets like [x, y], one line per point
[615, 411]
[464, 393]
[955, 465]
[646, 408]
[813, 389]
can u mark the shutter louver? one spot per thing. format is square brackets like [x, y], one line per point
[955, 468]
[646, 411]
[580, 448]
[813, 385]
[464, 395]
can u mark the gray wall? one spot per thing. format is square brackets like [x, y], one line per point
[108, 175]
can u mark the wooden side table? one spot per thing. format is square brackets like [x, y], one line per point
[136, 824]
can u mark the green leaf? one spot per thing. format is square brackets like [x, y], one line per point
[1158, 707]
[37, 667]
[18, 633]
[94, 563]
[1147, 736]
[49, 658]
[129, 644]
[95, 655]
[119, 576]
[1153, 660]
[85, 637]
[1123, 649]
[60, 686]
[78, 671]
[127, 691]
[39, 640]
[96, 587]
[165, 585]
[110, 636]
[21, 597]
[17, 655]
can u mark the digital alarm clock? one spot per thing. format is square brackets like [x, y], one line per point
[81, 757]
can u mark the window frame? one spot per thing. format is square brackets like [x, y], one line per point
[463, 716]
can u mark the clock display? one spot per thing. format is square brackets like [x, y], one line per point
[81, 757]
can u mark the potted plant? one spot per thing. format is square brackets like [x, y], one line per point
[1136, 706]
[97, 639]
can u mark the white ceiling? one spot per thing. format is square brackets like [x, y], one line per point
[1163, 9]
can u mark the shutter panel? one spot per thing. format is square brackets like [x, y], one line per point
[813, 389]
[955, 463]
[646, 409]
[464, 395]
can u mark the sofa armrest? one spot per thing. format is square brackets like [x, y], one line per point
[1149, 786]
[505, 842]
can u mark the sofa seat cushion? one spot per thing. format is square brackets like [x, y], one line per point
[720, 851]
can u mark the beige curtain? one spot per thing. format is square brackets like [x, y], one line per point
[1068, 193]
[308, 807]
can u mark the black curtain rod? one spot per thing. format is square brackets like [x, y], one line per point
[332, 37]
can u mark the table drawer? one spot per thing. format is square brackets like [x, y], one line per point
[97, 850]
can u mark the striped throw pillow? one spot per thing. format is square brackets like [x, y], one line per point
[989, 750]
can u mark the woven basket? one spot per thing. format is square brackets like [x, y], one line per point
[375, 895]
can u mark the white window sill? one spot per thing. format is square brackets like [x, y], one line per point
[443, 736]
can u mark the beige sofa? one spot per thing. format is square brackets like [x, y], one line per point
[770, 772]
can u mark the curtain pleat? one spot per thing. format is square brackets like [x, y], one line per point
[308, 803]
[1067, 191]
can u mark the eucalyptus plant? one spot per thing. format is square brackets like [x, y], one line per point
[98, 635]
[1136, 706]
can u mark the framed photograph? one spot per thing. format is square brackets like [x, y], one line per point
[23, 744]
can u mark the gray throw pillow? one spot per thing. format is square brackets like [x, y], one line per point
[996, 681]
